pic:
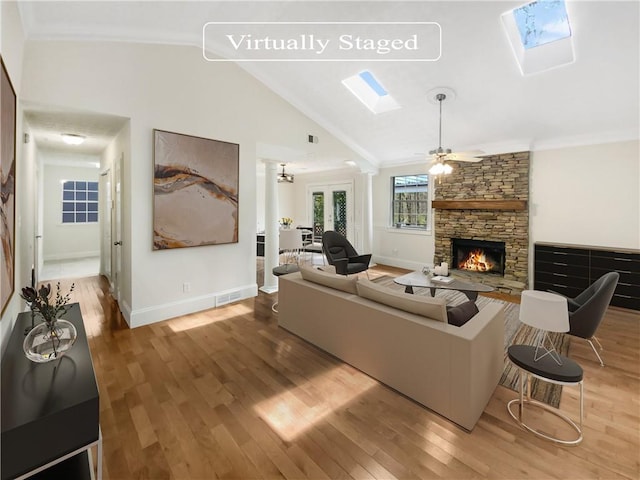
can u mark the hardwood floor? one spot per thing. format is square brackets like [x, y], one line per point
[226, 393]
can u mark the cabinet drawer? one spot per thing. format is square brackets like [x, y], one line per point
[562, 258]
[629, 278]
[626, 302]
[622, 264]
[614, 254]
[562, 269]
[562, 279]
[561, 250]
[559, 288]
[627, 290]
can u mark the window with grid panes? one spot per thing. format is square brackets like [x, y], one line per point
[79, 201]
[410, 201]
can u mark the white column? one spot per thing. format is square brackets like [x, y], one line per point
[367, 213]
[271, 227]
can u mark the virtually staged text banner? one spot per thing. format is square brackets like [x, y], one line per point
[322, 41]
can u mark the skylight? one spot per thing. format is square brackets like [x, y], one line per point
[370, 80]
[540, 35]
[366, 87]
[542, 22]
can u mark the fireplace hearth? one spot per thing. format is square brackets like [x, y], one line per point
[481, 256]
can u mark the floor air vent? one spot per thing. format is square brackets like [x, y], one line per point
[228, 298]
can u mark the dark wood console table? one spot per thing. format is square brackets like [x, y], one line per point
[50, 411]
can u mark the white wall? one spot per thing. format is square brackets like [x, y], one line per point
[287, 206]
[171, 88]
[260, 203]
[66, 241]
[11, 48]
[392, 246]
[587, 195]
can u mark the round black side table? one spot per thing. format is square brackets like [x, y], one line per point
[546, 369]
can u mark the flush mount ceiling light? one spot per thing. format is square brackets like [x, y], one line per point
[284, 177]
[73, 138]
[369, 91]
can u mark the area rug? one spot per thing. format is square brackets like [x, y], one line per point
[515, 332]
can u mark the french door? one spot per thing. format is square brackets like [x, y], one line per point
[331, 209]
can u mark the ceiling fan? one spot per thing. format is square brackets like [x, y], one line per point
[442, 155]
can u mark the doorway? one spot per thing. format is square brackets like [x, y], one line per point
[331, 208]
[74, 199]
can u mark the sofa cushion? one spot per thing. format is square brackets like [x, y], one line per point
[331, 280]
[434, 308]
[461, 314]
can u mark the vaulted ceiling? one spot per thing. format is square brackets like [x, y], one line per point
[496, 109]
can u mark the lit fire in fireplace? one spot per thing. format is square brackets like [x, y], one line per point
[476, 261]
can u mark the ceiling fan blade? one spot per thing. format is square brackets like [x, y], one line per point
[473, 156]
[455, 157]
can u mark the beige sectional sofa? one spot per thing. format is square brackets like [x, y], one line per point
[450, 370]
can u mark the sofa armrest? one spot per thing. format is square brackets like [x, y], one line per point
[477, 361]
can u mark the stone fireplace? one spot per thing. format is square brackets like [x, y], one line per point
[486, 201]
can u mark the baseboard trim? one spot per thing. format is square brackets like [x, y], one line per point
[71, 256]
[158, 313]
[125, 309]
[398, 262]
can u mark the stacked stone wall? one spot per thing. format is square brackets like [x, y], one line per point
[499, 177]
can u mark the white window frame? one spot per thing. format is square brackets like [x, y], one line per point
[410, 228]
[77, 193]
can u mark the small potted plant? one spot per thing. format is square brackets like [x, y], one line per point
[54, 336]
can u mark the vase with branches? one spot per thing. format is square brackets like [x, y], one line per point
[51, 338]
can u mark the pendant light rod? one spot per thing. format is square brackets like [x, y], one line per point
[440, 168]
[440, 97]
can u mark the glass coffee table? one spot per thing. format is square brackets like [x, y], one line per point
[420, 280]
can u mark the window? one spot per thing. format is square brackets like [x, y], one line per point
[410, 201]
[79, 202]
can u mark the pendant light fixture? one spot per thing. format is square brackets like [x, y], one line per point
[439, 154]
[284, 177]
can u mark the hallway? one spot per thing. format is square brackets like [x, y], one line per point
[75, 268]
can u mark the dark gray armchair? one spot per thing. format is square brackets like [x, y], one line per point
[341, 254]
[587, 310]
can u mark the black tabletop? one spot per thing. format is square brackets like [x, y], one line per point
[546, 367]
[286, 268]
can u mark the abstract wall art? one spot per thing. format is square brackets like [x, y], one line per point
[8, 187]
[195, 191]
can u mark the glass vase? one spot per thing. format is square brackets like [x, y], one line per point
[47, 342]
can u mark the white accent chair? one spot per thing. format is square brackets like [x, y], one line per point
[290, 245]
